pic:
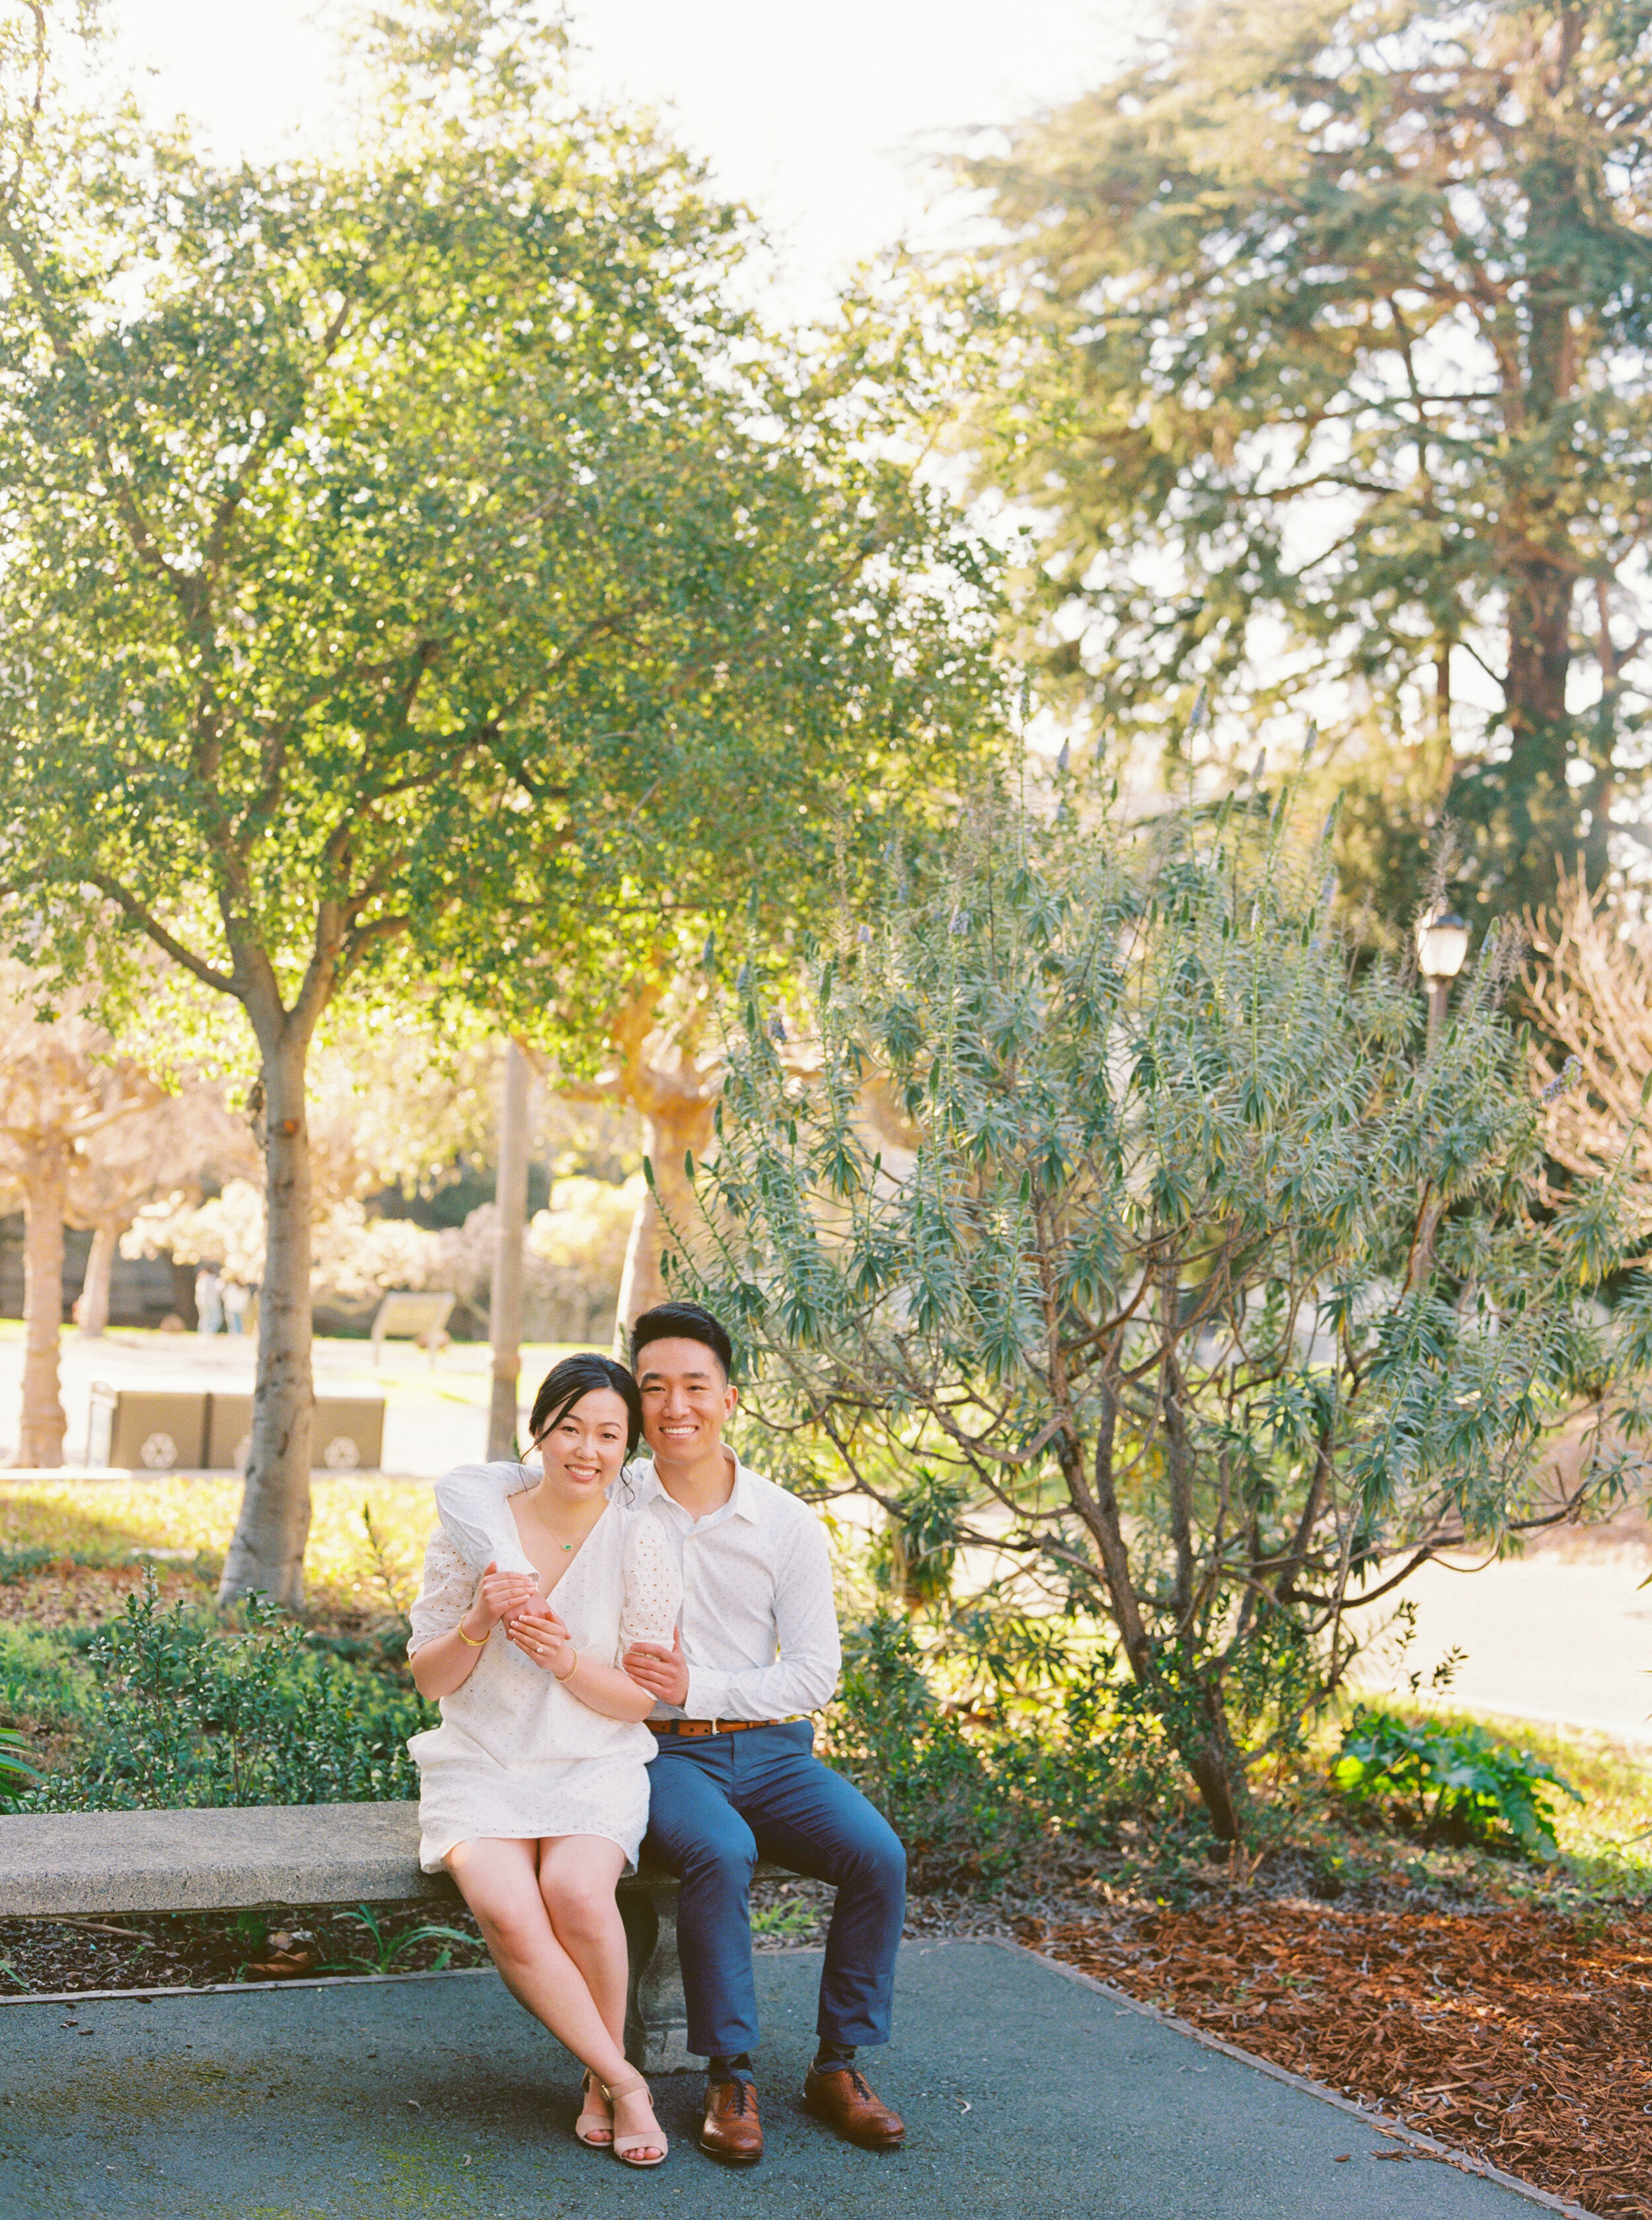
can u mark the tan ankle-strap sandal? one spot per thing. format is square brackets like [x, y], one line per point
[593, 2128]
[624, 2147]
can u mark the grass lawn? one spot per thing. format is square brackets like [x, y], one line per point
[366, 1545]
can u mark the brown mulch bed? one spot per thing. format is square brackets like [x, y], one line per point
[68, 1593]
[1514, 2035]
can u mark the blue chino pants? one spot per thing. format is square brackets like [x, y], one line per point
[717, 1804]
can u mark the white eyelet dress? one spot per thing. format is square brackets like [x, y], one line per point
[517, 1756]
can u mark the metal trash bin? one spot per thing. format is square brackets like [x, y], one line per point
[346, 1433]
[146, 1429]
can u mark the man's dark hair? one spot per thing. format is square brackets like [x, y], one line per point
[681, 1322]
[570, 1381]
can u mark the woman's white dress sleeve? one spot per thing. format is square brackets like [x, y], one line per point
[450, 1586]
[653, 1586]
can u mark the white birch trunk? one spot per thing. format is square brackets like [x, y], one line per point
[505, 1303]
[94, 1288]
[671, 1129]
[267, 1552]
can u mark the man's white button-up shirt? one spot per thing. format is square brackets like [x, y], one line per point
[759, 1625]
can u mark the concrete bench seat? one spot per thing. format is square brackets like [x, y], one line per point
[81, 1864]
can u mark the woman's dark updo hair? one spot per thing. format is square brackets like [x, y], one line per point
[570, 1381]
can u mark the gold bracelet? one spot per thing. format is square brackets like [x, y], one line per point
[471, 1638]
[569, 1674]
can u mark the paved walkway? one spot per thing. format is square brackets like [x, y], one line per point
[1026, 2093]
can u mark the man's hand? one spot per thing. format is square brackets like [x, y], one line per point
[663, 1673]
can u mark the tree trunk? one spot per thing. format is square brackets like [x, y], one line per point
[1540, 648]
[267, 1553]
[94, 1288]
[1207, 1752]
[40, 1438]
[1195, 1723]
[505, 1304]
[1541, 812]
[670, 1130]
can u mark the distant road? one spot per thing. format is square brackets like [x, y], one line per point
[1563, 1636]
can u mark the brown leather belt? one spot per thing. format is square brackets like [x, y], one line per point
[692, 1728]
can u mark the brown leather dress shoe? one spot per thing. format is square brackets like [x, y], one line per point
[730, 2129]
[842, 2097]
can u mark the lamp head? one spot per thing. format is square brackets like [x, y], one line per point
[1442, 946]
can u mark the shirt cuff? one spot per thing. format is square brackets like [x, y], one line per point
[707, 1693]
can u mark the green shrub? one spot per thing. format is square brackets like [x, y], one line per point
[14, 1766]
[1028, 1778]
[43, 1684]
[182, 1713]
[891, 1737]
[1206, 1282]
[1449, 1781]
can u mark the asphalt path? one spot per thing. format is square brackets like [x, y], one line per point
[1029, 2095]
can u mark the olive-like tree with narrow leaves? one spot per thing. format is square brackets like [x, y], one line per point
[1214, 1298]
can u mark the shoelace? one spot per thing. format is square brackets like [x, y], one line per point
[740, 2089]
[858, 2080]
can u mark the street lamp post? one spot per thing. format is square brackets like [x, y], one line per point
[1442, 946]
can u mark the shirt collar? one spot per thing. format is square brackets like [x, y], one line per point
[741, 1503]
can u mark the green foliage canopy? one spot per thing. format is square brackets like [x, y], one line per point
[416, 565]
[1339, 391]
[1213, 1290]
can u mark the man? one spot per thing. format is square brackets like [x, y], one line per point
[736, 1778]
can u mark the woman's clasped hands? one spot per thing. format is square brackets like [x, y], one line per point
[529, 1621]
[543, 1638]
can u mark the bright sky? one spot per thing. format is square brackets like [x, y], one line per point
[819, 116]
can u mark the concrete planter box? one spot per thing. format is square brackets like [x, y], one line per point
[200, 1429]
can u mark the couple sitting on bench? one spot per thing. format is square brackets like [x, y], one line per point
[578, 1714]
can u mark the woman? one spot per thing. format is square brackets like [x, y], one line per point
[534, 1788]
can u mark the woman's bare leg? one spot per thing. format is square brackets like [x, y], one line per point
[577, 1877]
[499, 1880]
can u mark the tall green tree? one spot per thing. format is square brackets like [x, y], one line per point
[1340, 375]
[1207, 1291]
[415, 564]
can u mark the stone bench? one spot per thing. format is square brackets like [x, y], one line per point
[65, 1865]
